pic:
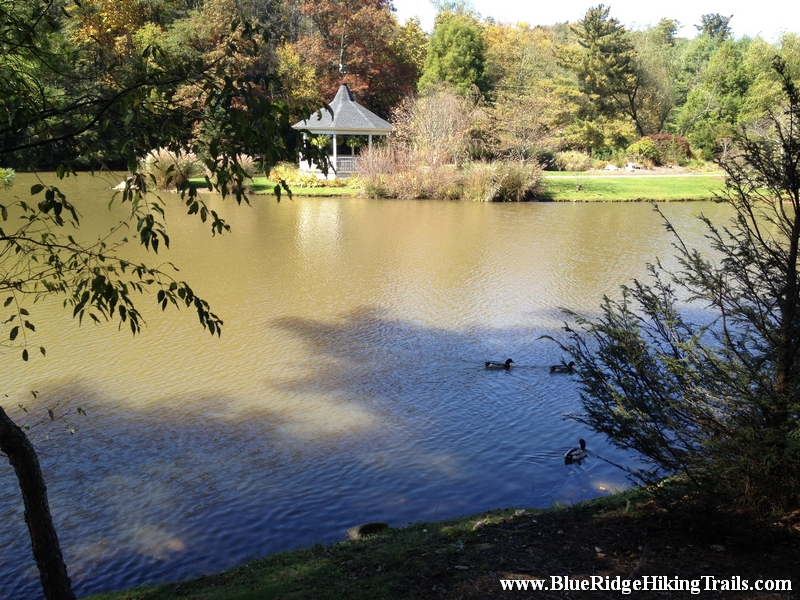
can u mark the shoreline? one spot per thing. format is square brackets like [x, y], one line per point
[624, 536]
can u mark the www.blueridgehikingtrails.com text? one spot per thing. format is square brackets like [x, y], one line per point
[647, 583]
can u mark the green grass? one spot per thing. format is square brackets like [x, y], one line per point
[562, 187]
[387, 565]
[262, 185]
[631, 188]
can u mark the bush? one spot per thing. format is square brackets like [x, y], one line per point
[671, 149]
[643, 151]
[169, 169]
[6, 178]
[660, 149]
[573, 160]
[546, 158]
[294, 177]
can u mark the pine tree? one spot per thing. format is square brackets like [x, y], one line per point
[712, 390]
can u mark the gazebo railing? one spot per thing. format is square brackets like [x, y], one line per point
[345, 164]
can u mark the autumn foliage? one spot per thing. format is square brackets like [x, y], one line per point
[359, 42]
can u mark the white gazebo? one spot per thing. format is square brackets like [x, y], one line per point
[349, 119]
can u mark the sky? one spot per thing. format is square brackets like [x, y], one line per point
[767, 18]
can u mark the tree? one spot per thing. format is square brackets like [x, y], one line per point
[456, 54]
[715, 25]
[712, 390]
[436, 125]
[618, 79]
[360, 43]
[520, 121]
[63, 95]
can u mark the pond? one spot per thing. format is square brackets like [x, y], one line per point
[348, 385]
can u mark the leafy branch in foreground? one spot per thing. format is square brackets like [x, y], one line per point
[71, 97]
[699, 369]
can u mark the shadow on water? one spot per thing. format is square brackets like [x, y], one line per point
[388, 420]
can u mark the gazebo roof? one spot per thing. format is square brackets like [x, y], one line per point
[348, 117]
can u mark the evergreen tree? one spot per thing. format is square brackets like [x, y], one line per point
[715, 25]
[712, 390]
[607, 70]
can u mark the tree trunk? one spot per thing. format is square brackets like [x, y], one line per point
[44, 541]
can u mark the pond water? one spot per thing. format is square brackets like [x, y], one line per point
[348, 385]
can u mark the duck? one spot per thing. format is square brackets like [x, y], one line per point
[576, 454]
[570, 368]
[490, 364]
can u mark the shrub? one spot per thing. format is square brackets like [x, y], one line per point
[573, 160]
[6, 178]
[671, 149]
[546, 158]
[296, 178]
[169, 169]
[643, 151]
[661, 149]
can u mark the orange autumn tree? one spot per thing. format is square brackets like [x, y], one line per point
[359, 42]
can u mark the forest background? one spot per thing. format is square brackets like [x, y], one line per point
[563, 95]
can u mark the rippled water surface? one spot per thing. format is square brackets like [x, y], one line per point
[348, 385]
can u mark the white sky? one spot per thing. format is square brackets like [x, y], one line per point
[766, 17]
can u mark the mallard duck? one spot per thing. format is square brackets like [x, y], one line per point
[576, 454]
[490, 364]
[570, 368]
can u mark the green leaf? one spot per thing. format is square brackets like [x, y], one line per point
[25, 355]
[36, 189]
[8, 301]
[42, 350]
[14, 333]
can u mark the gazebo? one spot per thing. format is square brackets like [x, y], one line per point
[349, 118]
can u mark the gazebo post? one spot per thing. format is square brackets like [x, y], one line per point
[335, 164]
[370, 141]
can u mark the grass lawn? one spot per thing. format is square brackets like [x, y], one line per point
[262, 185]
[563, 187]
[622, 188]
[628, 534]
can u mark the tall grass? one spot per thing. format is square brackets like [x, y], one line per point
[168, 169]
[398, 172]
[572, 160]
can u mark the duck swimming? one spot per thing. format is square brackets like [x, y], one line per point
[570, 368]
[576, 454]
[498, 365]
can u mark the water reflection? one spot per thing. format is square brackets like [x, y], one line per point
[348, 385]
